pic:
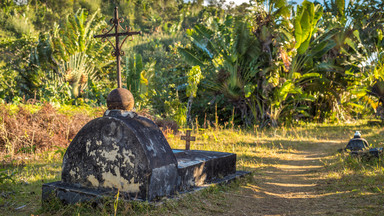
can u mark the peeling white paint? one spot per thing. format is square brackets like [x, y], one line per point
[99, 142]
[128, 114]
[162, 148]
[151, 147]
[93, 180]
[92, 153]
[72, 173]
[110, 155]
[87, 145]
[116, 181]
[126, 155]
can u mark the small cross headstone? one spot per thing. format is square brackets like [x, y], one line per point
[116, 34]
[188, 138]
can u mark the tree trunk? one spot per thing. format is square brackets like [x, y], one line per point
[75, 89]
[189, 106]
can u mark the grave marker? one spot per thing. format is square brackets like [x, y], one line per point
[117, 47]
[188, 138]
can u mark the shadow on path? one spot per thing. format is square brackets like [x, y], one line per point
[293, 186]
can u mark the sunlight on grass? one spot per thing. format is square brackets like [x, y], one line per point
[259, 151]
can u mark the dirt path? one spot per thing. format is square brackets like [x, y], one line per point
[291, 186]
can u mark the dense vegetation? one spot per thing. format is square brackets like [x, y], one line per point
[265, 63]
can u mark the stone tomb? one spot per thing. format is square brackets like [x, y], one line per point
[124, 152]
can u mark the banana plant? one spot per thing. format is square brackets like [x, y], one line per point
[76, 36]
[194, 77]
[77, 71]
[253, 61]
[225, 50]
[372, 68]
[306, 18]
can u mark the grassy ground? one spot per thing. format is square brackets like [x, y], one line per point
[295, 171]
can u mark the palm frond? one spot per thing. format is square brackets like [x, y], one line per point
[189, 57]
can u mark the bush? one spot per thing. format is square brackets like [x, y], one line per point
[23, 130]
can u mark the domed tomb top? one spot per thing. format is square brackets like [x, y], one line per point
[121, 151]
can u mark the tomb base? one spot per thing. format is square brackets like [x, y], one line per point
[196, 170]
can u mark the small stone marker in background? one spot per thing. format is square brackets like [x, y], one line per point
[359, 147]
[357, 143]
[188, 138]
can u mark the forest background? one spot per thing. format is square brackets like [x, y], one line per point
[262, 63]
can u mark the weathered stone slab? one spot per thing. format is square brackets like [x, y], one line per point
[196, 168]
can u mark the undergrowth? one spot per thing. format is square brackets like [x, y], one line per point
[355, 174]
[31, 129]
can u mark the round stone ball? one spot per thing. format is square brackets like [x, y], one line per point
[121, 99]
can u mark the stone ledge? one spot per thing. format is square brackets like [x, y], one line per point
[197, 168]
[70, 194]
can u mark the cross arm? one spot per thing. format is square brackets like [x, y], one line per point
[118, 34]
[188, 138]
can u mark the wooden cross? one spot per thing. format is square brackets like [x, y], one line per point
[188, 138]
[117, 47]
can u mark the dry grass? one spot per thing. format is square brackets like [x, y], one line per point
[296, 171]
[31, 129]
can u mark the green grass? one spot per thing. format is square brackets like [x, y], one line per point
[259, 151]
[68, 110]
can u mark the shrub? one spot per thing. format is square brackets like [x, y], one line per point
[24, 131]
